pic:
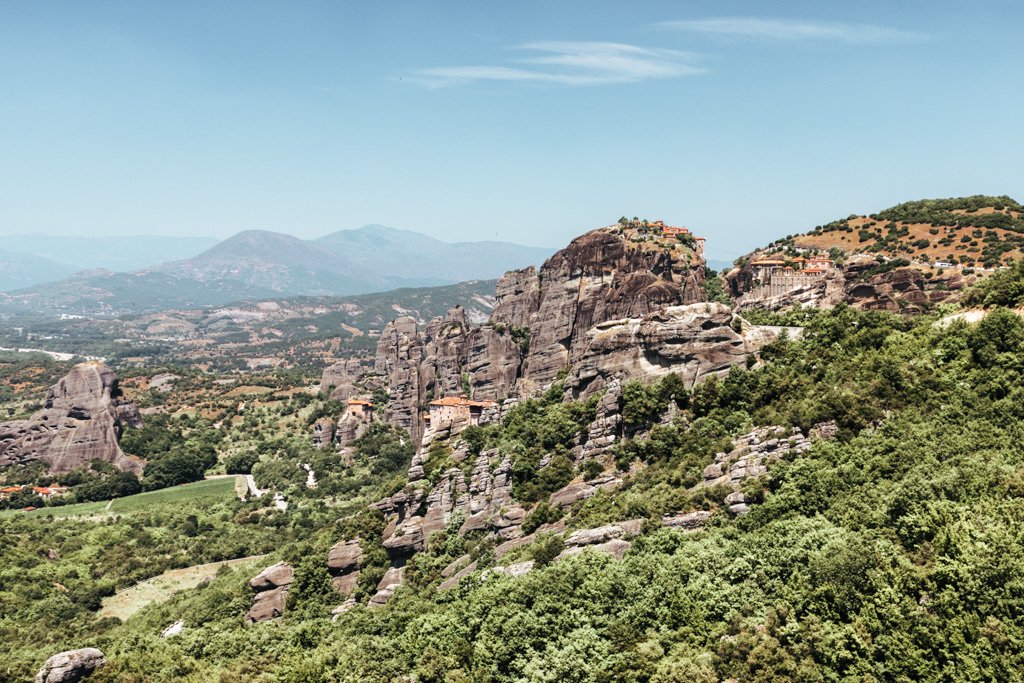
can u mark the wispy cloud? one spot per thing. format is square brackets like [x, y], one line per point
[795, 30]
[571, 63]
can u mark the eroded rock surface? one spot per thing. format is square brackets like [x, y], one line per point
[71, 666]
[603, 275]
[344, 562]
[81, 421]
[751, 456]
[693, 341]
[271, 586]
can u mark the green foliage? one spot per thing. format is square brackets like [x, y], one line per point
[546, 548]
[642, 404]
[957, 211]
[311, 593]
[241, 463]
[543, 513]
[715, 287]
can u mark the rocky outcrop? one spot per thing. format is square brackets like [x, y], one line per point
[690, 521]
[863, 281]
[344, 562]
[399, 355]
[81, 421]
[606, 274]
[518, 298]
[751, 456]
[484, 503]
[323, 432]
[693, 341]
[343, 378]
[393, 578]
[271, 586]
[71, 666]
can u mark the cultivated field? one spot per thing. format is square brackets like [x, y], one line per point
[221, 487]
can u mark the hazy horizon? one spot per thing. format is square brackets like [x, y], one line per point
[529, 123]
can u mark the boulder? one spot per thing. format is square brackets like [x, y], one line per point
[688, 521]
[323, 432]
[616, 548]
[515, 570]
[71, 666]
[345, 556]
[386, 588]
[275, 576]
[571, 494]
[454, 579]
[606, 533]
[271, 586]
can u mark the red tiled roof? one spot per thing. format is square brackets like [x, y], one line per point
[359, 402]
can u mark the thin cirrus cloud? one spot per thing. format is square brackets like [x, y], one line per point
[573, 63]
[795, 30]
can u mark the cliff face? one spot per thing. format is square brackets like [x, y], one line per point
[81, 421]
[693, 341]
[541, 325]
[603, 275]
[862, 281]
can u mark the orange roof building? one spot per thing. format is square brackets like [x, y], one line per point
[457, 410]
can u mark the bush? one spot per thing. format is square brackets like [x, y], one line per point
[241, 463]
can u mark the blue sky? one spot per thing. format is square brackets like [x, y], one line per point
[523, 121]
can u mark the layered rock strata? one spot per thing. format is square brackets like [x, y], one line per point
[271, 586]
[81, 421]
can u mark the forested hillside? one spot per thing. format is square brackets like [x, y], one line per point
[891, 550]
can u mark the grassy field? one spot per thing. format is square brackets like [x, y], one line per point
[222, 487]
[129, 601]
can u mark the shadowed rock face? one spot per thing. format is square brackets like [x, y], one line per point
[81, 421]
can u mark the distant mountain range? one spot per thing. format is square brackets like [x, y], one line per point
[73, 253]
[260, 264]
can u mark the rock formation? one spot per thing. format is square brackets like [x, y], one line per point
[862, 281]
[341, 379]
[751, 456]
[606, 274]
[344, 562]
[323, 432]
[693, 341]
[71, 666]
[271, 586]
[81, 421]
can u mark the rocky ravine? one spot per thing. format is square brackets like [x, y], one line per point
[81, 421]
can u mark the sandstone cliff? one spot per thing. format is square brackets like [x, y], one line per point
[693, 341]
[861, 280]
[606, 274]
[81, 421]
[540, 325]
